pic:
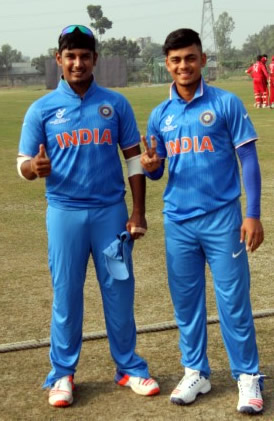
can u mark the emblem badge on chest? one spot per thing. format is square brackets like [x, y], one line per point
[106, 111]
[207, 118]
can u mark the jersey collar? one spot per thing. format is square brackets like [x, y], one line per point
[65, 87]
[173, 94]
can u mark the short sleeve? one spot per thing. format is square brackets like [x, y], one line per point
[128, 132]
[153, 129]
[238, 121]
[32, 133]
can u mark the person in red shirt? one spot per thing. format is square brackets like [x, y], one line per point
[271, 82]
[259, 75]
[266, 92]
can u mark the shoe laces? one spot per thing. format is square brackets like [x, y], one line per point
[249, 384]
[190, 379]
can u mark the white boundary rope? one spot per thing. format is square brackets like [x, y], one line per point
[157, 327]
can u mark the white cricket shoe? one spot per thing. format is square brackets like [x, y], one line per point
[61, 393]
[139, 385]
[250, 397]
[191, 385]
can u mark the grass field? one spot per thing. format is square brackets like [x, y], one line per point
[26, 294]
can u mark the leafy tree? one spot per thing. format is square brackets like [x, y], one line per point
[99, 22]
[114, 47]
[251, 47]
[120, 47]
[9, 56]
[40, 62]
[151, 51]
[133, 50]
[224, 26]
[262, 43]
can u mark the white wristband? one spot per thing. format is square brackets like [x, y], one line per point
[20, 160]
[134, 166]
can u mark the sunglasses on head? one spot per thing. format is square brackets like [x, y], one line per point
[69, 29]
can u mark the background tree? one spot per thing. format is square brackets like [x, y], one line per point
[40, 62]
[120, 47]
[224, 27]
[98, 22]
[133, 50]
[150, 55]
[262, 43]
[114, 47]
[9, 56]
[251, 47]
[151, 51]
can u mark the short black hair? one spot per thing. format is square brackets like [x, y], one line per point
[259, 57]
[76, 39]
[181, 38]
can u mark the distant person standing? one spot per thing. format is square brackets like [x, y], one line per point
[259, 75]
[264, 60]
[266, 92]
[271, 83]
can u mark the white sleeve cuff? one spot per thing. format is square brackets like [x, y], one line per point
[20, 160]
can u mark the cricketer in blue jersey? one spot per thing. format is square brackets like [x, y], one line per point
[71, 137]
[200, 130]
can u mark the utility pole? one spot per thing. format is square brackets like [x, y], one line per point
[208, 39]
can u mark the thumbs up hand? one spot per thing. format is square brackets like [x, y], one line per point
[40, 164]
[42, 151]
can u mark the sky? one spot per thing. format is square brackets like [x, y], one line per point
[33, 26]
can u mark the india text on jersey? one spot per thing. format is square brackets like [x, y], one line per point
[186, 144]
[83, 137]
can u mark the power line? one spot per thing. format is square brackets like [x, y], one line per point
[31, 29]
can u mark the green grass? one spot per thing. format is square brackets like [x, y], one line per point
[26, 294]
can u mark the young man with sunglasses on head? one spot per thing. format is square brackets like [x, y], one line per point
[201, 129]
[71, 137]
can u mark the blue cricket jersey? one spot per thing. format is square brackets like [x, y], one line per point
[81, 137]
[199, 139]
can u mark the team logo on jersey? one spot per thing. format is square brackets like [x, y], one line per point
[60, 117]
[168, 126]
[169, 120]
[106, 111]
[60, 112]
[207, 118]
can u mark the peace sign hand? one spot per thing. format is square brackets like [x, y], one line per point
[150, 160]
